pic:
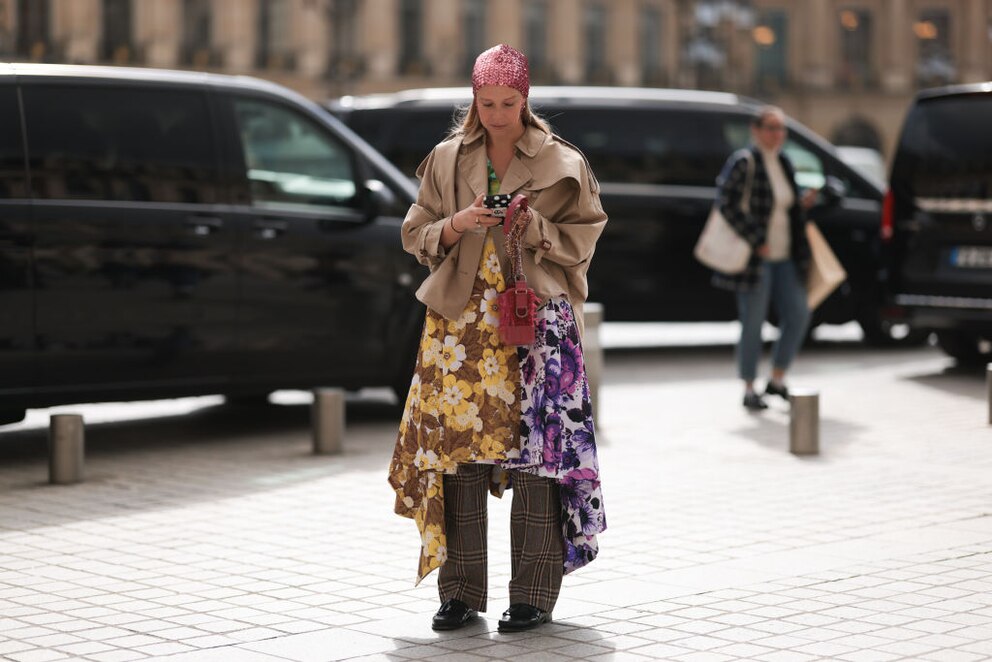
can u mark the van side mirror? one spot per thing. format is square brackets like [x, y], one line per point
[380, 198]
[833, 191]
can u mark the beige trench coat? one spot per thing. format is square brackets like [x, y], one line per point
[567, 218]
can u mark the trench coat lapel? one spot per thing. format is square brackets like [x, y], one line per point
[472, 169]
[515, 176]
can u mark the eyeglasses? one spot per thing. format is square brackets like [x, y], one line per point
[773, 127]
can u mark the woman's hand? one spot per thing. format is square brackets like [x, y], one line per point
[475, 217]
[762, 250]
[808, 198]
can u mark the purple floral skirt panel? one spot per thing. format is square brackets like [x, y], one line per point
[557, 437]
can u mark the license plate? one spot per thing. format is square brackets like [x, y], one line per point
[972, 257]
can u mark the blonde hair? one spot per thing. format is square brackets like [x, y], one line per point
[467, 120]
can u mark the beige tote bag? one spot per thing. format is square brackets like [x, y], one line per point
[719, 246]
[825, 272]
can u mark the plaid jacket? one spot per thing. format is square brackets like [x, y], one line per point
[753, 226]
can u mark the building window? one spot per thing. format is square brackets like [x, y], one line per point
[412, 60]
[595, 38]
[117, 46]
[770, 35]
[34, 37]
[652, 66]
[345, 64]
[935, 61]
[275, 50]
[855, 48]
[196, 34]
[536, 40]
[473, 29]
[716, 45]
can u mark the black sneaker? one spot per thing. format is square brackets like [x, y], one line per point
[754, 402]
[781, 390]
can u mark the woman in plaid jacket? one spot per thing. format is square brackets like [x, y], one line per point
[776, 272]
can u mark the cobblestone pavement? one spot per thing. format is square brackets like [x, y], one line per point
[218, 536]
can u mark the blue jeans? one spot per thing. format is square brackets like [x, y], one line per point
[779, 283]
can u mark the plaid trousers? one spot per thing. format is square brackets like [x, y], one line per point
[535, 538]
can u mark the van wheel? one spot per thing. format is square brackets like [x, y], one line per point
[8, 416]
[883, 333]
[964, 347]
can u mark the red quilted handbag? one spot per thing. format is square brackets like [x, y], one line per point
[518, 303]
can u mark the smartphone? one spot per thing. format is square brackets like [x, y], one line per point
[498, 203]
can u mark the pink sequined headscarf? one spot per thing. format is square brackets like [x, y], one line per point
[501, 65]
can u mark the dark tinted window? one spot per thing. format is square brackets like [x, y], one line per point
[404, 136]
[646, 146]
[120, 144]
[946, 149]
[11, 152]
[291, 159]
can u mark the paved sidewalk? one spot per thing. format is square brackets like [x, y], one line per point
[217, 536]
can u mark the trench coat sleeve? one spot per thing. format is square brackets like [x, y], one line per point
[731, 183]
[565, 231]
[424, 222]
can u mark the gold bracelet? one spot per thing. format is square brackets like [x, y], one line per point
[451, 222]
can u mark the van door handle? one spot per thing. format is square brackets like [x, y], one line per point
[203, 226]
[266, 229]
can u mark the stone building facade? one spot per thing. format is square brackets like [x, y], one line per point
[847, 68]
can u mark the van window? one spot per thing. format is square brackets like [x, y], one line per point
[11, 151]
[648, 146]
[946, 149]
[117, 143]
[809, 166]
[405, 137]
[737, 131]
[292, 160]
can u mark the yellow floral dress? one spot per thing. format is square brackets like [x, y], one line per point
[473, 399]
[462, 407]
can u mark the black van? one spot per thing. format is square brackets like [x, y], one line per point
[937, 224]
[657, 154]
[166, 234]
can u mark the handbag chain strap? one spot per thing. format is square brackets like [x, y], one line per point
[518, 226]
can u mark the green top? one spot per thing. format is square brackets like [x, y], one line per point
[493, 182]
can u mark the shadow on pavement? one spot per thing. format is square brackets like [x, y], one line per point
[208, 455]
[956, 379]
[771, 430]
[486, 626]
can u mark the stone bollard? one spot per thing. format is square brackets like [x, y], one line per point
[592, 352]
[327, 418]
[988, 388]
[66, 446]
[804, 422]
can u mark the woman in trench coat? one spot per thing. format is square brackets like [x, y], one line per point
[481, 416]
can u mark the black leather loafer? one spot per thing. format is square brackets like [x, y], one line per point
[452, 615]
[781, 391]
[520, 617]
[754, 402]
